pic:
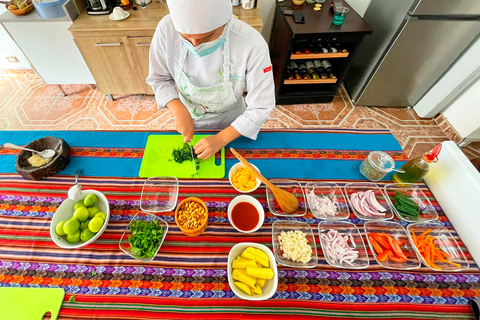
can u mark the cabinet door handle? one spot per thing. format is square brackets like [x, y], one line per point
[143, 44]
[108, 44]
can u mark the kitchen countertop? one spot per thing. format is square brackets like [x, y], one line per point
[147, 19]
[33, 16]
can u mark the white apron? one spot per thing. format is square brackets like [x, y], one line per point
[211, 107]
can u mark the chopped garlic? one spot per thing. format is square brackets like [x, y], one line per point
[294, 245]
[321, 206]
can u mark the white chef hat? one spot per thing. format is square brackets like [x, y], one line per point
[199, 16]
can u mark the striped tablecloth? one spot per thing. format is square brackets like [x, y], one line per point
[188, 277]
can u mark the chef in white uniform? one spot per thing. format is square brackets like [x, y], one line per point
[202, 61]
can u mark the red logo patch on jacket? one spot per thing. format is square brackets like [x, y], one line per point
[267, 69]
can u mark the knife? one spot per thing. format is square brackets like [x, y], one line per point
[193, 158]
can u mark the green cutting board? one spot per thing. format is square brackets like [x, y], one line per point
[158, 152]
[30, 303]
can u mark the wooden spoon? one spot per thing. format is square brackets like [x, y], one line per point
[287, 201]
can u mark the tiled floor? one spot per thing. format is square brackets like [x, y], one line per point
[26, 103]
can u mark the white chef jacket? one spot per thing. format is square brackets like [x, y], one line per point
[251, 72]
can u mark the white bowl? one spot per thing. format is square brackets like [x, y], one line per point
[65, 212]
[255, 203]
[234, 169]
[270, 285]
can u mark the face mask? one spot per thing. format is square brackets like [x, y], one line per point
[206, 48]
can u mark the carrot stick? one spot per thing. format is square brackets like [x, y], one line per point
[427, 256]
[425, 233]
[414, 239]
[446, 255]
[432, 253]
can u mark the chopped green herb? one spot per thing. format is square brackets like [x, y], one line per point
[94, 273]
[72, 299]
[145, 238]
[182, 154]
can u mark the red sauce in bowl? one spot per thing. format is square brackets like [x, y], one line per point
[245, 216]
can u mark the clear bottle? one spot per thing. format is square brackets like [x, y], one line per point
[417, 168]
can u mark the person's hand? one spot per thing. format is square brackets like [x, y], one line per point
[208, 146]
[184, 125]
[183, 120]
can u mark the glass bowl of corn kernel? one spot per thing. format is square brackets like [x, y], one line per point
[191, 216]
[242, 179]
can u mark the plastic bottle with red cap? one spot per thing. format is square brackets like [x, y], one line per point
[417, 168]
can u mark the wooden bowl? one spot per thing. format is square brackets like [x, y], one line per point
[198, 230]
[21, 12]
[57, 164]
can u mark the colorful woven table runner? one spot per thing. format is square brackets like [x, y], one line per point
[316, 154]
[188, 277]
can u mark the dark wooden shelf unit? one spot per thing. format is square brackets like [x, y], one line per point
[288, 37]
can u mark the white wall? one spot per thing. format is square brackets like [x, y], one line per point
[8, 48]
[464, 113]
[359, 5]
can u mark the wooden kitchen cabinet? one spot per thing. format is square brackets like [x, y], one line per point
[116, 52]
[111, 64]
[140, 48]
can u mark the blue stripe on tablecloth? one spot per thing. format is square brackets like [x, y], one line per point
[271, 168]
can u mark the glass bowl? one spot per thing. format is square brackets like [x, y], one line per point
[381, 199]
[415, 194]
[445, 241]
[291, 225]
[397, 232]
[145, 216]
[159, 194]
[293, 187]
[332, 191]
[355, 241]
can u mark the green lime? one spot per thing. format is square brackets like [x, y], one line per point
[95, 224]
[59, 228]
[78, 204]
[74, 237]
[90, 200]
[86, 235]
[81, 214]
[101, 215]
[84, 224]
[92, 211]
[71, 226]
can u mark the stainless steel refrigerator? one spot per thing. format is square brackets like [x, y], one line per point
[413, 43]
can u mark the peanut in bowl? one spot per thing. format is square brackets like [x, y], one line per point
[191, 216]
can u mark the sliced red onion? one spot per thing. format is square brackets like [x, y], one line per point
[337, 249]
